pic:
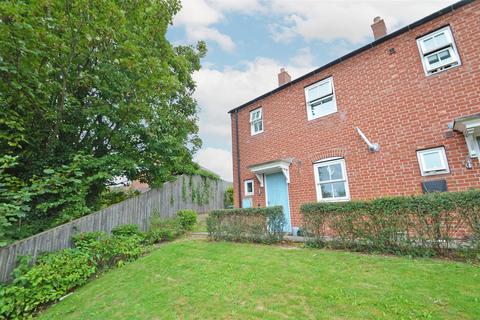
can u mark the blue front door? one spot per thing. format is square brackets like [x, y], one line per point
[277, 195]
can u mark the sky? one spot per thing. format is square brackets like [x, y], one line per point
[250, 40]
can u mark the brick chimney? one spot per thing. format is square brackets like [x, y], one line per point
[379, 28]
[283, 77]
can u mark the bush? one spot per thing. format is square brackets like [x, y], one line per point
[107, 251]
[55, 274]
[50, 278]
[164, 229]
[253, 224]
[228, 198]
[187, 218]
[127, 230]
[423, 225]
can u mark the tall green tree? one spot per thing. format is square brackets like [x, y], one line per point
[90, 90]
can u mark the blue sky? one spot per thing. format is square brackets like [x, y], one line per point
[250, 40]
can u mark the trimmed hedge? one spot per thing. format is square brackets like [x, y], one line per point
[435, 224]
[252, 225]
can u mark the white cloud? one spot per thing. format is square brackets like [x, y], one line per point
[205, 33]
[199, 16]
[350, 20]
[216, 160]
[304, 58]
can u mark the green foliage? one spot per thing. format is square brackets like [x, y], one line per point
[164, 230]
[56, 274]
[50, 278]
[207, 174]
[187, 218]
[423, 225]
[107, 251]
[253, 224]
[13, 198]
[228, 198]
[89, 91]
[111, 197]
[126, 230]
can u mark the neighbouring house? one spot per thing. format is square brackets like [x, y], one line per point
[399, 116]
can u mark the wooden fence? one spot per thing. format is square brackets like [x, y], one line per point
[197, 193]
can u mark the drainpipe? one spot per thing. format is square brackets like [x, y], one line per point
[238, 161]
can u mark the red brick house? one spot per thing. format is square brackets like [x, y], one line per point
[399, 116]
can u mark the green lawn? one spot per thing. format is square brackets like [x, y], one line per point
[203, 280]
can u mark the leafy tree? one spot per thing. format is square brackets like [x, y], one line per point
[90, 90]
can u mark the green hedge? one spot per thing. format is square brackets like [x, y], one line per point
[422, 225]
[252, 224]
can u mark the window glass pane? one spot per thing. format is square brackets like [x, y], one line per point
[335, 171]
[255, 115]
[445, 54]
[249, 187]
[441, 40]
[429, 44]
[320, 91]
[478, 141]
[432, 161]
[323, 106]
[257, 126]
[327, 190]
[433, 59]
[339, 189]
[323, 174]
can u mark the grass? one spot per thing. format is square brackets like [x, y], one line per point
[204, 280]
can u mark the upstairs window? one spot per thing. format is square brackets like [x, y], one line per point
[433, 161]
[256, 121]
[438, 51]
[331, 180]
[320, 99]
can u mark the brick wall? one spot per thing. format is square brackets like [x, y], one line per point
[389, 97]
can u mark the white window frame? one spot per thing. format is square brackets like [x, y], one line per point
[326, 162]
[248, 194]
[254, 121]
[454, 60]
[309, 103]
[443, 158]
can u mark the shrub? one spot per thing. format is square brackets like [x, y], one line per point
[55, 274]
[127, 230]
[50, 278]
[107, 251]
[164, 229]
[187, 218]
[228, 198]
[423, 225]
[252, 224]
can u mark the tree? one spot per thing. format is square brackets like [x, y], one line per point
[95, 88]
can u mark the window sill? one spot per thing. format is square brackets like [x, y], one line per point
[333, 200]
[431, 75]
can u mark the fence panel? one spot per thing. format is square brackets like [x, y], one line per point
[187, 192]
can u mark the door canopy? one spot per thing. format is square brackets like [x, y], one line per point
[262, 169]
[470, 126]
